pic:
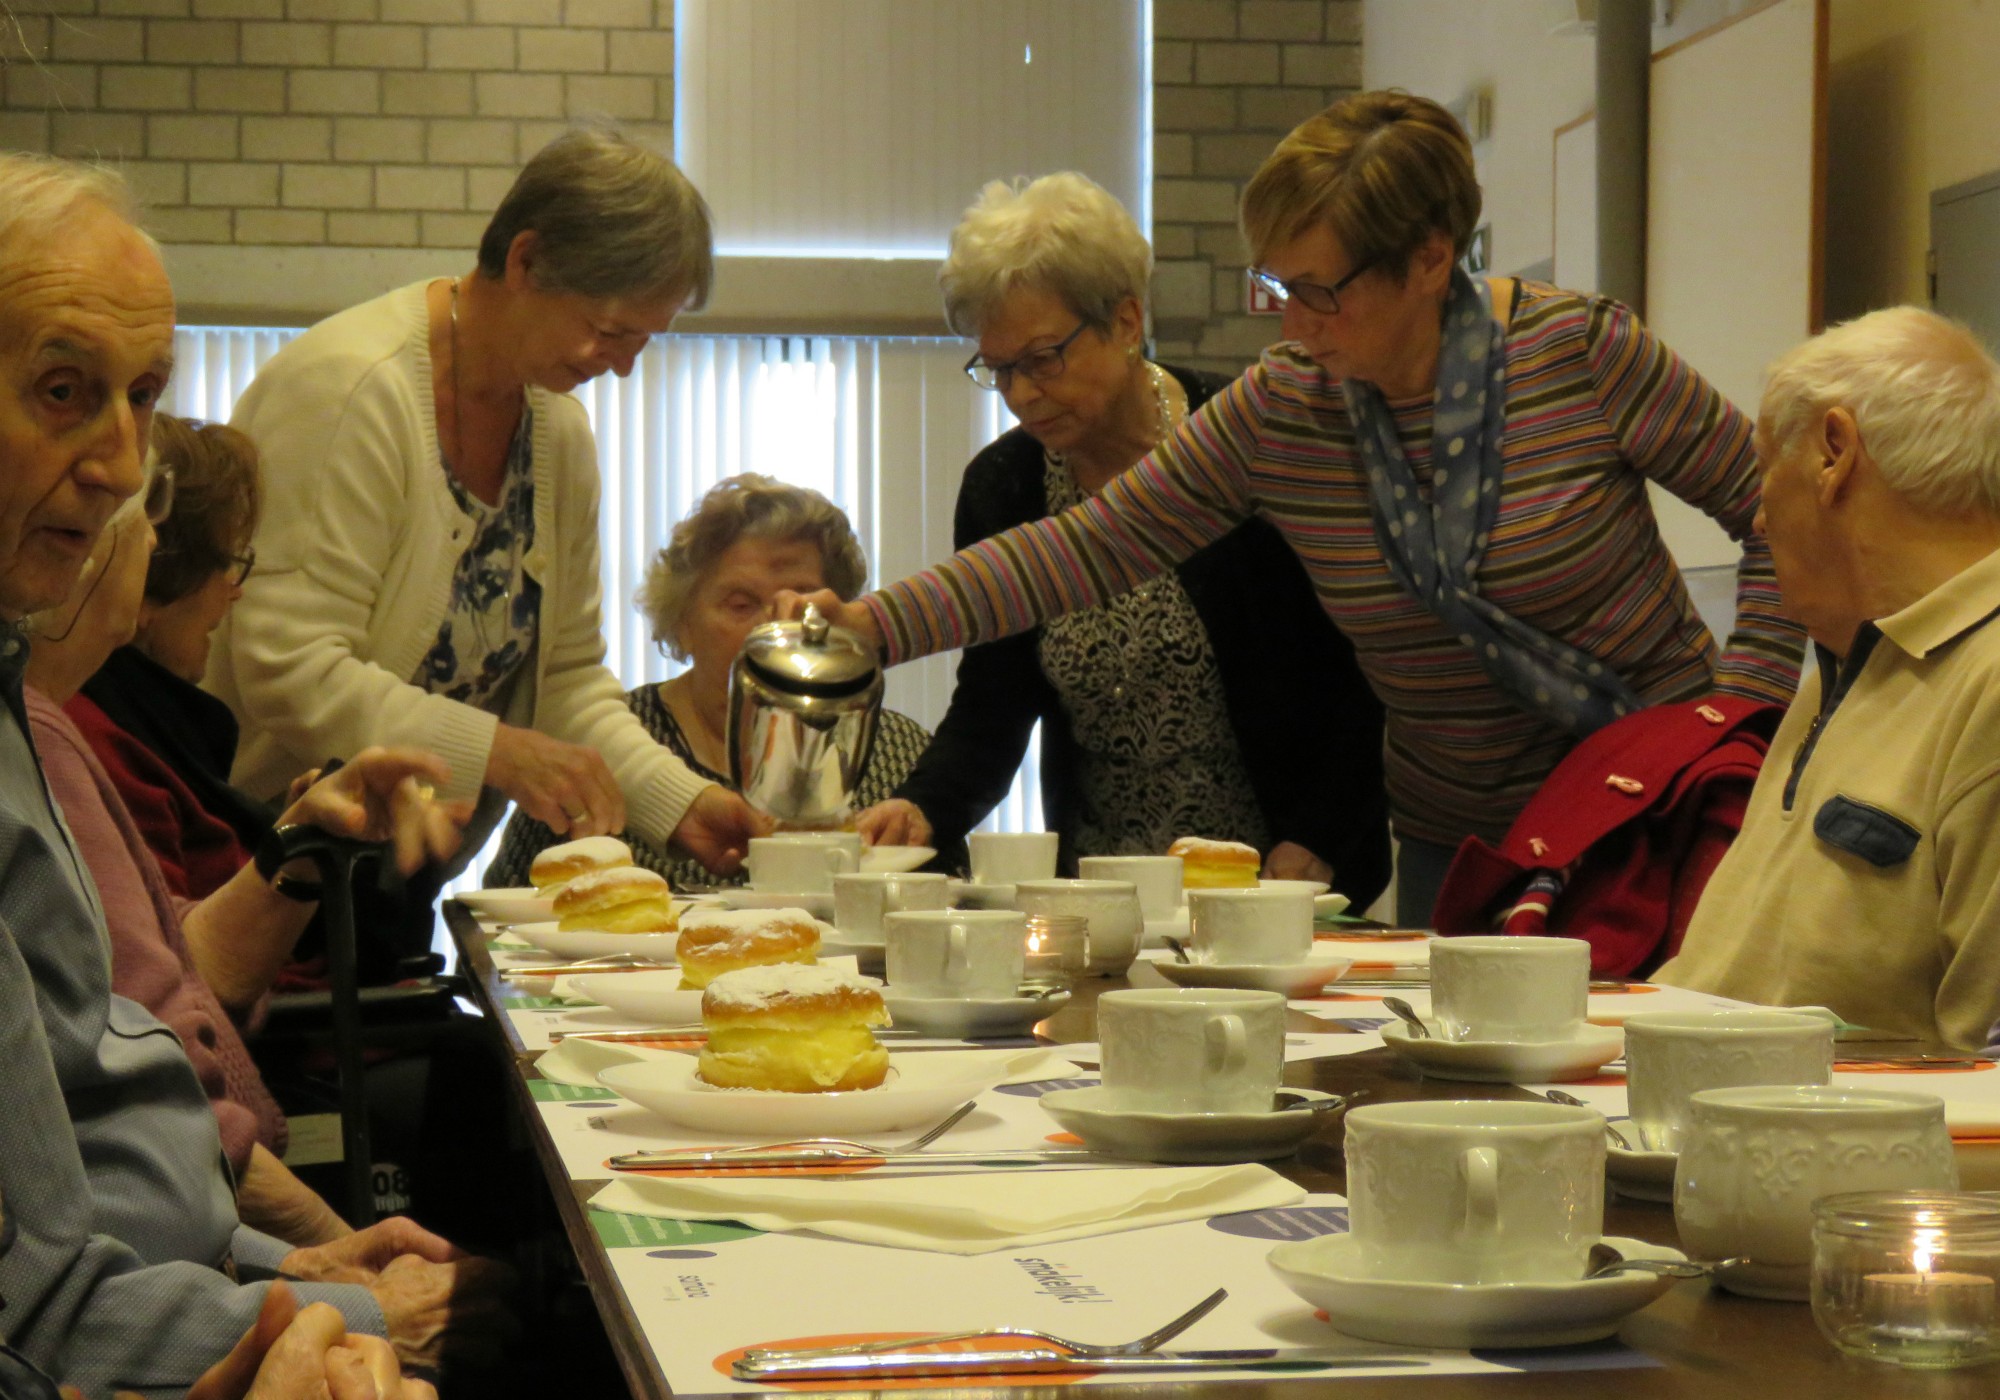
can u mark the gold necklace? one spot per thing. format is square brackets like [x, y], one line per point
[457, 396]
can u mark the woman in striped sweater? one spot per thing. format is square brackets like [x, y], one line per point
[1460, 464]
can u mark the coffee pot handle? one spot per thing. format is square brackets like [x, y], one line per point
[1228, 1045]
[1482, 1194]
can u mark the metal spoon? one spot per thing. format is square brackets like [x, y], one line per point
[1568, 1100]
[1180, 950]
[1409, 1017]
[1604, 1260]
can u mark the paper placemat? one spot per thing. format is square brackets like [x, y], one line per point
[1361, 1008]
[701, 1292]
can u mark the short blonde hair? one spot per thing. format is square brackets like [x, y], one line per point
[1383, 170]
[1925, 395]
[1064, 234]
[612, 218]
[738, 508]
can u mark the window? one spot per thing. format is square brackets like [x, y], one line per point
[881, 425]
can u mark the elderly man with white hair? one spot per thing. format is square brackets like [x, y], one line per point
[131, 1269]
[1867, 874]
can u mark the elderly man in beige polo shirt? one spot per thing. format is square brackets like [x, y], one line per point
[1867, 875]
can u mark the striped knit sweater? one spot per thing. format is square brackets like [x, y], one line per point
[1596, 406]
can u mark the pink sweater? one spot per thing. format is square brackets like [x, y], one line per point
[150, 963]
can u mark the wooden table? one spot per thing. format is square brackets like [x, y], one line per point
[1714, 1345]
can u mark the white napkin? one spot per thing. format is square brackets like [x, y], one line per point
[976, 1213]
[579, 1062]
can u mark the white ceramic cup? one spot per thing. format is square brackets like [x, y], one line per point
[1157, 878]
[1506, 988]
[1255, 928]
[1672, 1055]
[860, 901]
[1111, 906]
[1009, 857]
[1754, 1160]
[801, 864]
[956, 952]
[1475, 1191]
[1189, 1050]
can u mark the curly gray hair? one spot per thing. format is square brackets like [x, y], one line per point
[1064, 234]
[737, 508]
[613, 218]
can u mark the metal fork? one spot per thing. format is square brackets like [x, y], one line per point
[1138, 1346]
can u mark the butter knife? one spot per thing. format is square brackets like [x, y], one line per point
[1047, 1361]
[742, 1161]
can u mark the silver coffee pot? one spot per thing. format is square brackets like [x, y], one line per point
[804, 697]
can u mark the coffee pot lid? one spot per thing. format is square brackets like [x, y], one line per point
[811, 657]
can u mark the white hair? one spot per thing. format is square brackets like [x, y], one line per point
[1925, 395]
[1064, 234]
[40, 194]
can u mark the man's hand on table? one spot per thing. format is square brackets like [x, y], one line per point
[434, 1296]
[896, 822]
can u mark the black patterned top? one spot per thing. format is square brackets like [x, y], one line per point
[898, 741]
[489, 629]
[1163, 762]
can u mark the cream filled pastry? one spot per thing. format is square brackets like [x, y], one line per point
[715, 941]
[573, 858]
[792, 1029]
[1215, 865]
[631, 899]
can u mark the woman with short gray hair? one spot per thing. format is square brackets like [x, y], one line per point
[749, 537]
[428, 559]
[1218, 702]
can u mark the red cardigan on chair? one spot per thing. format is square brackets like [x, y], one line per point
[1617, 845]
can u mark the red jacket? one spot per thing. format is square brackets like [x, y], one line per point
[1619, 842]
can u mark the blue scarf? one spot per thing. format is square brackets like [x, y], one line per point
[1433, 549]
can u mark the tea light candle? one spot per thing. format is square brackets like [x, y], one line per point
[1936, 1306]
[1058, 947]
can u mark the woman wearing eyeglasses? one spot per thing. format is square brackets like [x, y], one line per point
[166, 742]
[1461, 464]
[1216, 700]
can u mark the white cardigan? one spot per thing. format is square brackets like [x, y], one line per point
[355, 554]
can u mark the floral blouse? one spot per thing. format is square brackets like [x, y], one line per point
[490, 626]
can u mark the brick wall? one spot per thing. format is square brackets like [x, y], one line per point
[351, 123]
[1229, 78]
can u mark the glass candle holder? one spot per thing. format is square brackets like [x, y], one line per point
[1058, 948]
[1908, 1277]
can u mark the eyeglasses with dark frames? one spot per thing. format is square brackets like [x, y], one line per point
[1316, 297]
[240, 566]
[1039, 365]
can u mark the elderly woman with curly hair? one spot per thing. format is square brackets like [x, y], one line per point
[1217, 700]
[749, 538]
[1460, 463]
[428, 560]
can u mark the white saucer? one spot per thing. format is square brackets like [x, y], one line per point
[591, 943]
[964, 894]
[1295, 980]
[515, 904]
[1330, 906]
[893, 860]
[1509, 1062]
[1640, 1176]
[921, 1088]
[969, 1018]
[1315, 887]
[1093, 1115]
[1326, 1273]
[817, 903]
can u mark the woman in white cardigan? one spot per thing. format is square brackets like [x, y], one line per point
[427, 563]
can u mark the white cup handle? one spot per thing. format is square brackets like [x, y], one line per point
[1482, 1195]
[954, 954]
[1228, 1045]
[839, 862]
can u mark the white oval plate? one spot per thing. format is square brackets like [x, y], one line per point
[592, 943]
[1317, 887]
[1327, 1273]
[646, 998]
[893, 860]
[1296, 980]
[1093, 1114]
[510, 905]
[1509, 1062]
[815, 903]
[968, 1018]
[921, 1088]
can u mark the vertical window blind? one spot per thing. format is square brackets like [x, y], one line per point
[882, 426]
[864, 127]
